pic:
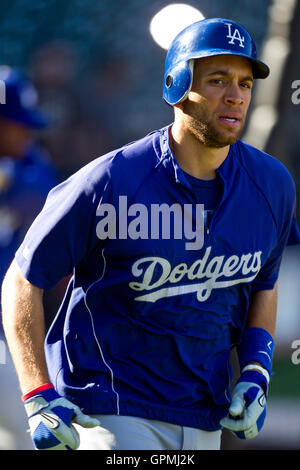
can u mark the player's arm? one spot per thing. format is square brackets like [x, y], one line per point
[23, 323]
[248, 405]
[258, 339]
[263, 310]
[50, 415]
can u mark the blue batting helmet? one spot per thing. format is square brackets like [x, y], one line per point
[20, 99]
[205, 38]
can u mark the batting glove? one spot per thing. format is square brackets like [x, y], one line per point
[247, 411]
[50, 420]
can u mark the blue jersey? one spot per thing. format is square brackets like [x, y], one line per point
[149, 317]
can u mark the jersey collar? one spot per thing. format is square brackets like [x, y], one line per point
[226, 170]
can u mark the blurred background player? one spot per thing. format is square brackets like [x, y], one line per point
[26, 176]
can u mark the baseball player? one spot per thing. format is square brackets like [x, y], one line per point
[173, 244]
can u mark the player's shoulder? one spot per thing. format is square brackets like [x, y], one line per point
[264, 168]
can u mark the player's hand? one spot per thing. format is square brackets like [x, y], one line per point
[247, 411]
[50, 420]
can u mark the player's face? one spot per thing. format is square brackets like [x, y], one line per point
[216, 107]
[15, 138]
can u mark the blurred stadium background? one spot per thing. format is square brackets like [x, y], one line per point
[99, 75]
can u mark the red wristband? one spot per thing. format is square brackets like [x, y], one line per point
[35, 391]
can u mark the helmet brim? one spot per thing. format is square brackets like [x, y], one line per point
[260, 69]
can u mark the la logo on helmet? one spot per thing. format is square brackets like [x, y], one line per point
[236, 36]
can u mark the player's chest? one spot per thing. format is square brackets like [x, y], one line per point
[156, 245]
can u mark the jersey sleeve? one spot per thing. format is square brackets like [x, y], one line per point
[288, 234]
[61, 235]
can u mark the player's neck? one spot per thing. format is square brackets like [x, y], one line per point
[193, 157]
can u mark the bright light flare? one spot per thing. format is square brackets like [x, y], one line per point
[170, 20]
